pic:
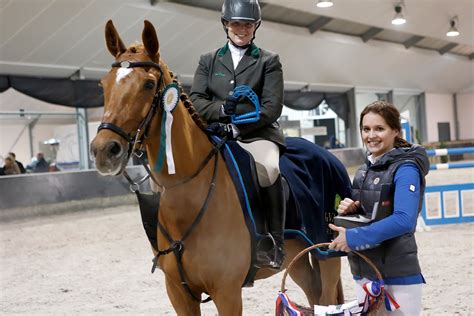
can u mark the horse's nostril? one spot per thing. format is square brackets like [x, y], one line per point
[115, 148]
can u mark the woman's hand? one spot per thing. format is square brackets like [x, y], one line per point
[348, 206]
[340, 243]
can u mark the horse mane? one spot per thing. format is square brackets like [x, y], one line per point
[188, 104]
[197, 118]
[200, 122]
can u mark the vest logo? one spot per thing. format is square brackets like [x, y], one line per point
[376, 180]
[219, 74]
[386, 203]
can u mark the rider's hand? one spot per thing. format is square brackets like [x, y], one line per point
[230, 105]
[348, 206]
[222, 130]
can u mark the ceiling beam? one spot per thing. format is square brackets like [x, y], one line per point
[447, 48]
[370, 33]
[412, 41]
[318, 23]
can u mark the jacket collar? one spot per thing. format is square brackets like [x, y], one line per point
[250, 57]
[253, 50]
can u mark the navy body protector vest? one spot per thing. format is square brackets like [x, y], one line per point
[397, 257]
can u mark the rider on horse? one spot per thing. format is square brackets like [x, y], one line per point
[241, 62]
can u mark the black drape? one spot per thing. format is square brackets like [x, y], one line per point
[88, 94]
[308, 100]
[62, 91]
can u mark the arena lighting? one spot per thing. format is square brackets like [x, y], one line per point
[398, 19]
[453, 30]
[324, 3]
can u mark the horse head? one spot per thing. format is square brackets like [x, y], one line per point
[131, 88]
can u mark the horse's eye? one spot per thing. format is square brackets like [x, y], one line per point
[149, 85]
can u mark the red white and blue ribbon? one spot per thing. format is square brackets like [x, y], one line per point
[390, 303]
[373, 290]
[284, 307]
[168, 102]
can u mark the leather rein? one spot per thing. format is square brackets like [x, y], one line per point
[176, 246]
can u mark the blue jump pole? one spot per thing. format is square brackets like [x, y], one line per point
[440, 166]
[450, 151]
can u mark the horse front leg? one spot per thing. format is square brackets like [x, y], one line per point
[182, 302]
[330, 272]
[302, 273]
[228, 301]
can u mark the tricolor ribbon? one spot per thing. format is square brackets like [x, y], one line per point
[373, 290]
[390, 303]
[284, 307]
[168, 104]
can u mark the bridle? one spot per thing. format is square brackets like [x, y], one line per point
[139, 137]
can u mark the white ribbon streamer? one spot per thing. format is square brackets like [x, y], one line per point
[170, 100]
[169, 149]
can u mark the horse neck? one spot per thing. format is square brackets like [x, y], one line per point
[189, 143]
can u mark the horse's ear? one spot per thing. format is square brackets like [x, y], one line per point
[113, 40]
[150, 40]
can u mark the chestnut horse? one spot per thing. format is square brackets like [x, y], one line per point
[217, 254]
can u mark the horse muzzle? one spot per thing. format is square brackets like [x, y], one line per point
[111, 156]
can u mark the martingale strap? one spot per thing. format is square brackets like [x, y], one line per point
[177, 246]
[150, 221]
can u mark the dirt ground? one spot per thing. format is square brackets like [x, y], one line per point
[98, 262]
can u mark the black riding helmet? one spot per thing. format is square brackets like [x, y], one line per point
[241, 10]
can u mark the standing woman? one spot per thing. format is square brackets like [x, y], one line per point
[391, 183]
[241, 62]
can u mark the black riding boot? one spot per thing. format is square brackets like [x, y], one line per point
[274, 205]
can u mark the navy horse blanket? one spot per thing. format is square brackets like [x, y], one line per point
[317, 181]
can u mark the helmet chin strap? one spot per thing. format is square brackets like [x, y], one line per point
[241, 47]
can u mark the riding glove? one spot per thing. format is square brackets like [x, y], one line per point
[222, 130]
[230, 105]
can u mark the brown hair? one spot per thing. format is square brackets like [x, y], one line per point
[391, 115]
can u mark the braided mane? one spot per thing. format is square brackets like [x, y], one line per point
[189, 105]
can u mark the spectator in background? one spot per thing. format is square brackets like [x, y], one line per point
[41, 164]
[20, 165]
[10, 167]
[333, 143]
